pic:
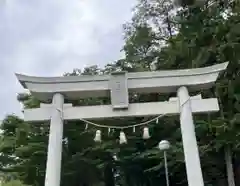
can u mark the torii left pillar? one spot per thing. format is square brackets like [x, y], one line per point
[54, 157]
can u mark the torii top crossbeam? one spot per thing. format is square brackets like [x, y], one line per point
[117, 86]
[74, 87]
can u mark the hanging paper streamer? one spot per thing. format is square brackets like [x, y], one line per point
[122, 138]
[134, 129]
[146, 134]
[109, 130]
[98, 136]
[157, 120]
[86, 127]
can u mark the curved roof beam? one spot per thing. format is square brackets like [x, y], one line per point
[75, 87]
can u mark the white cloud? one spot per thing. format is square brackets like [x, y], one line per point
[50, 37]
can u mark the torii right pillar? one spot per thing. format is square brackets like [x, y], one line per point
[191, 153]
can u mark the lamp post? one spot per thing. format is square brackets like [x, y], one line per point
[164, 145]
[116, 169]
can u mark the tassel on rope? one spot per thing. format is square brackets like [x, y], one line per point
[98, 136]
[122, 138]
[146, 134]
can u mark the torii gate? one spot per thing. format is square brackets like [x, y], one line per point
[118, 85]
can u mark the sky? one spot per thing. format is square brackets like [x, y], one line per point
[51, 37]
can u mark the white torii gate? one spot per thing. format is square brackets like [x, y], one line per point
[118, 85]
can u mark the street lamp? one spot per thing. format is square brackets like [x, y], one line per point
[164, 145]
[115, 158]
[116, 169]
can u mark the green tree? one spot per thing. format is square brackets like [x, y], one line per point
[203, 39]
[13, 183]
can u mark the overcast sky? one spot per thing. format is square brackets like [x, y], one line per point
[50, 37]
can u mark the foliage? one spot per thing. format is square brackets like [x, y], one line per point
[195, 35]
[13, 183]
